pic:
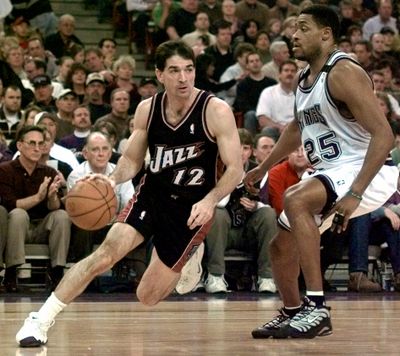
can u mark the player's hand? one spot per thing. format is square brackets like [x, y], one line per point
[251, 178]
[42, 191]
[342, 211]
[201, 213]
[248, 204]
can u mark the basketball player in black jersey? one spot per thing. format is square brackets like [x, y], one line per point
[185, 129]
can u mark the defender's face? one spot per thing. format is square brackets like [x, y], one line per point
[178, 76]
[307, 38]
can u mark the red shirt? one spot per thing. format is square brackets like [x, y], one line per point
[280, 177]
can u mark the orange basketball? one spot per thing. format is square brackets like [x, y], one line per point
[91, 205]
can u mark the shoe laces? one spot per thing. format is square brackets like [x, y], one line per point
[278, 320]
[307, 307]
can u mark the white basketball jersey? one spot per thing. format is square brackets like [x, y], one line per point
[329, 139]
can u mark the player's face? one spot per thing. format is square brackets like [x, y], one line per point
[307, 38]
[178, 76]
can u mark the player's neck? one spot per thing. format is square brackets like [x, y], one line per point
[318, 62]
[178, 107]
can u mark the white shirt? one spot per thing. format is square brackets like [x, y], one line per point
[123, 191]
[374, 25]
[232, 72]
[276, 104]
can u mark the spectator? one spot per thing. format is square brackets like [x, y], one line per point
[202, 27]
[274, 29]
[344, 44]
[283, 9]
[288, 29]
[65, 66]
[181, 21]
[119, 112]
[39, 13]
[354, 33]
[82, 124]
[148, 87]
[391, 42]
[36, 50]
[49, 121]
[276, 103]
[160, 15]
[253, 10]
[363, 51]
[124, 68]
[14, 56]
[263, 145]
[95, 89]
[66, 103]
[346, 16]
[248, 33]
[43, 91]
[279, 53]
[249, 90]
[76, 80]
[110, 130]
[60, 43]
[35, 67]
[108, 47]
[124, 141]
[378, 79]
[228, 8]
[5, 155]
[361, 13]
[29, 192]
[244, 224]
[378, 49]
[94, 60]
[21, 30]
[10, 111]
[262, 45]
[97, 153]
[236, 71]
[382, 19]
[212, 8]
[221, 51]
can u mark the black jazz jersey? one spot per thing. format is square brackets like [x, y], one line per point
[183, 157]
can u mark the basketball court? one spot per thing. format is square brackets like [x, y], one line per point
[201, 324]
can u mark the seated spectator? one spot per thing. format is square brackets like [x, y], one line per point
[212, 8]
[228, 8]
[14, 56]
[202, 27]
[5, 153]
[287, 32]
[95, 89]
[30, 193]
[181, 21]
[43, 91]
[65, 66]
[378, 78]
[262, 46]
[275, 105]
[148, 87]
[10, 111]
[61, 42]
[283, 9]
[49, 121]
[94, 60]
[3, 237]
[81, 124]
[248, 33]
[119, 112]
[249, 90]
[66, 103]
[97, 153]
[36, 50]
[124, 70]
[109, 129]
[363, 51]
[253, 10]
[124, 141]
[108, 47]
[274, 29]
[76, 80]
[344, 45]
[279, 53]
[33, 68]
[346, 16]
[245, 224]
[354, 33]
[159, 16]
[236, 71]
[21, 29]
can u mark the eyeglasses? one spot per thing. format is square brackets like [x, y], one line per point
[34, 144]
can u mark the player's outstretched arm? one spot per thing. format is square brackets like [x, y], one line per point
[221, 124]
[131, 162]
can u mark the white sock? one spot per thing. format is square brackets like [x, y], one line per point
[50, 308]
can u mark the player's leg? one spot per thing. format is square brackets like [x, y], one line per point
[157, 282]
[121, 239]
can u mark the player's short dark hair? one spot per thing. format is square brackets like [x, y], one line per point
[26, 129]
[324, 16]
[172, 48]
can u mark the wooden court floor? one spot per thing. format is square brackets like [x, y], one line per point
[200, 324]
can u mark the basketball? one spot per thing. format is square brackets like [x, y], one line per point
[91, 205]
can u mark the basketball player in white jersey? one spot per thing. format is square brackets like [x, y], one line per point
[347, 140]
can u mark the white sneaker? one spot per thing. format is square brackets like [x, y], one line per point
[216, 284]
[266, 285]
[191, 272]
[33, 333]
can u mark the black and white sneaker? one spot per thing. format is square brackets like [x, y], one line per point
[273, 328]
[309, 322]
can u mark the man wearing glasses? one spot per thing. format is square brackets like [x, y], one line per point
[30, 193]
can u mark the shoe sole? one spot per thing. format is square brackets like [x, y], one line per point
[196, 258]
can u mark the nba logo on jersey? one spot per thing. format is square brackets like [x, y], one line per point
[192, 129]
[142, 215]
